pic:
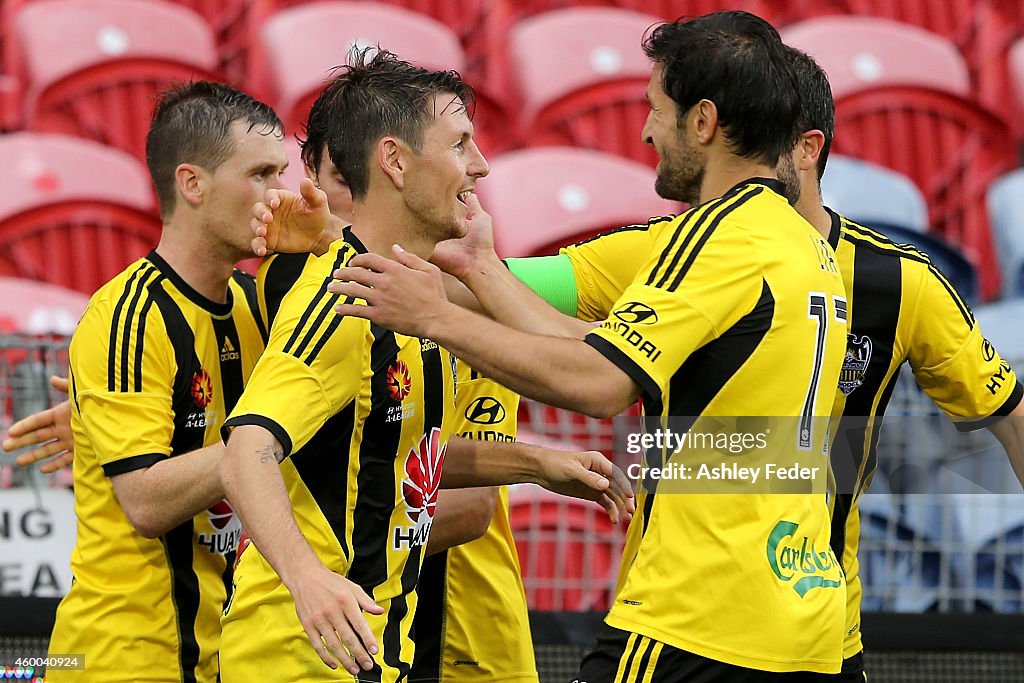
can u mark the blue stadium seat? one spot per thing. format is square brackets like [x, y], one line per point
[954, 265]
[1006, 211]
[870, 194]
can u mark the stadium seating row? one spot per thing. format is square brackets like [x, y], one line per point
[576, 77]
[65, 197]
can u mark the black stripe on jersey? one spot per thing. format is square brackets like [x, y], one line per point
[331, 327]
[1016, 395]
[627, 228]
[282, 273]
[429, 620]
[701, 376]
[433, 418]
[684, 225]
[371, 518]
[130, 325]
[185, 595]
[323, 466]
[112, 351]
[865, 237]
[247, 283]
[623, 362]
[877, 291]
[183, 341]
[318, 301]
[230, 354]
[704, 212]
[726, 210]
[139, 342]
[132, 463]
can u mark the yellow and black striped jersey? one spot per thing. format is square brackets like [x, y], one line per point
[902, 309]
[364, 416]
[472, 622]
[155, 368]
[908, 312]
[739, 311]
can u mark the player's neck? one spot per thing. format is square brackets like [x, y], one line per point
[203, 269]
[810, 207]
[723, 172]
[379, 227]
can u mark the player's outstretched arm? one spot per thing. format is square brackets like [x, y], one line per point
[1010, 432]
[406, 295]
[49, 431]
[462, 515]
[581, 474]
[499, 293]
[329, 606]
[293, 223]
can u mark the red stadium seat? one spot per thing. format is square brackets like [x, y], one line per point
[72, 212]
[951, 148]
[951, 19]
[568, 550]
[582, 79]
[999, 24]
[298, 69]
[38, 308]
[902, 102]
[545, 198]
[231, 22]
[92, 67]
[1016, 76]
[859, 53]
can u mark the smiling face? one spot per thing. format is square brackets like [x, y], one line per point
[255, 165]
[680, 167]
[445, 169]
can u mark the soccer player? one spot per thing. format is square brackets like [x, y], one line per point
[365, 414]
[471, 570]
[738, 311]
[157, 362]
[902, 310]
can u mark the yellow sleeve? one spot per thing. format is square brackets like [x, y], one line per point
[678, 303]
[484, 409]
[123, 370]
[953, 362]
[605, 265]
[313, 364]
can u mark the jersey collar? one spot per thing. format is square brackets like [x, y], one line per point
[186, 289]
[773, 184]
[351, 238]
[833, 233]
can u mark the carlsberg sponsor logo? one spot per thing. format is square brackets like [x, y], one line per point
[794, 557]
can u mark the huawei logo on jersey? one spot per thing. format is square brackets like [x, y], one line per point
[202, 389]
[423, 480]
[225, 531]
[221, 514]
[399, 381]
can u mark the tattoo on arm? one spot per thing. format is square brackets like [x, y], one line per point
[267, 454]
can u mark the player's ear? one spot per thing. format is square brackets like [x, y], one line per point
[391, 157]
[809, 149]
[190, 181]
[705, 121]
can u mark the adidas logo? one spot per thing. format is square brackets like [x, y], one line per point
[228, 352]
